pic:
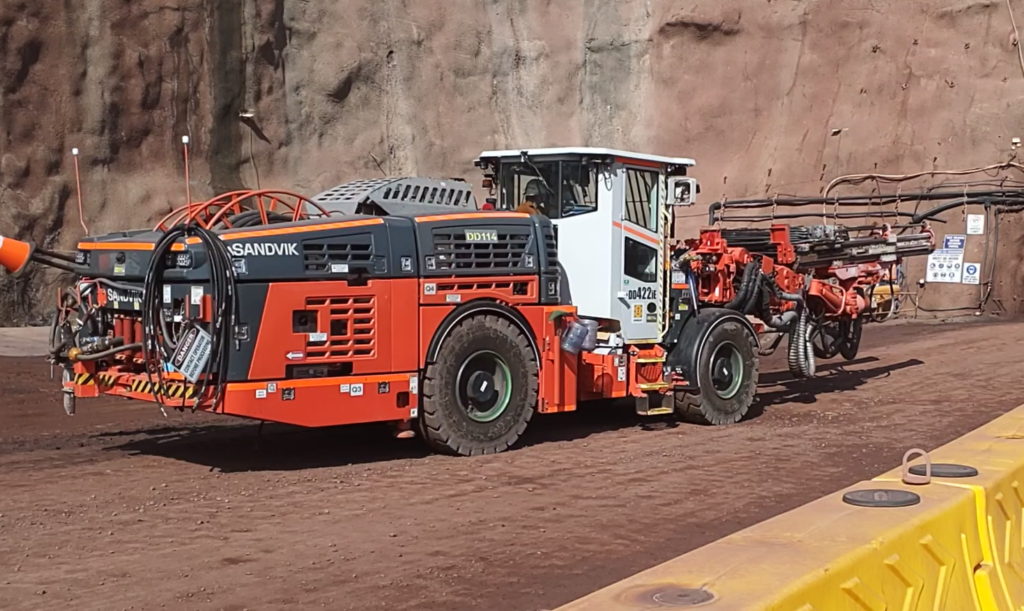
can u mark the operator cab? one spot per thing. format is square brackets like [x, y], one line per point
[612, 210]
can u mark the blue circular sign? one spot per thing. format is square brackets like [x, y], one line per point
[971, 269]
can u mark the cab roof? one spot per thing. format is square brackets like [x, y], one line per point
[584, 150]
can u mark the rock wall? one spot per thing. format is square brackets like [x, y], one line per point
[751, 89]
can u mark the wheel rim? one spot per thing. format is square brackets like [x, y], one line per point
[484, 386]
[726, 370]
[827, 338]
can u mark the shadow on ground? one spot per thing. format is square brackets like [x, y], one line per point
[274, 447]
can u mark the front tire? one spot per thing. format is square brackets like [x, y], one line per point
[481, 392]
[727, 374]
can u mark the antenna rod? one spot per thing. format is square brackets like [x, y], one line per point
[188, 187]
[78, 190]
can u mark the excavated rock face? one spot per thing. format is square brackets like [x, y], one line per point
[752, 90]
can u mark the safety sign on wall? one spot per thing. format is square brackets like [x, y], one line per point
[954, 242]
[975, 224]
[972, 273]
[945, 265]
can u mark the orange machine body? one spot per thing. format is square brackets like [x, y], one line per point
[330, 351]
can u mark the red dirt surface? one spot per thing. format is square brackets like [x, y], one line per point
[118, 508]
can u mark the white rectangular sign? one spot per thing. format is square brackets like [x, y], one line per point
[975, 224]
[945, 265]
[972, 273]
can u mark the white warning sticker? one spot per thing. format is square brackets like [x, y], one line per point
[261, 393]
[192, 353]
[344, 388]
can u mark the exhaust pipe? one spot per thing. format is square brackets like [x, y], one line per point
[15, 254]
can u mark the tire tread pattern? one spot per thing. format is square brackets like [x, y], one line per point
[436, 424]
[690, 406]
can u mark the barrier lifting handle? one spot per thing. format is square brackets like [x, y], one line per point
[912, 479]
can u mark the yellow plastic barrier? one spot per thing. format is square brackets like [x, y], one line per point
[960, 548]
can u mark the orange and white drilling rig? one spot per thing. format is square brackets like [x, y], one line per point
[401, 301]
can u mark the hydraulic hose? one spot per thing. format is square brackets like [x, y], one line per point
[800, 355]
[109, 352]
[755, 292]
[713, 212]
[780, 322]
[739, 302]
[806, 353]
[222, 313]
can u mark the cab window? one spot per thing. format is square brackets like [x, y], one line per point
[640, 261]
[556, 189]
[642, 198]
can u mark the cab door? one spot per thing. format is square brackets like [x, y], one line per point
[642, 247]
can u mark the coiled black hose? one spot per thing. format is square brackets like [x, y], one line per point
[739, 301]
[224, 307]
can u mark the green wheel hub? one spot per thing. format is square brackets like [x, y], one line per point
[726, 370]
[484, 387]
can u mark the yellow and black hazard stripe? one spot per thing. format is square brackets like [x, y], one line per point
[171, 390]
[106, 379]
[179, 391]
[84, 379]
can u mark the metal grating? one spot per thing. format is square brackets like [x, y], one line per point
[317, 257]
[351, 332]
[551, 245]
[508, 253]
[396, 195]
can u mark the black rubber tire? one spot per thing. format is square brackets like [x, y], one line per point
[832, 330]
[850, 346]
[706, 406]
[443, 424]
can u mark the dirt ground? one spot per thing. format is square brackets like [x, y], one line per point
[119, 508]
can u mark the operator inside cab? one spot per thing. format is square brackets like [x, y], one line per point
[535, 200]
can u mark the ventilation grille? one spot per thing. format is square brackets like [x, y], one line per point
[350, 250]
[456, 194]
[509, 252]
[551, 245]
[351, 332]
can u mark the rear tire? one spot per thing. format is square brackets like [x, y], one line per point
[727, 374]
[480, 393]
[850, 345]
